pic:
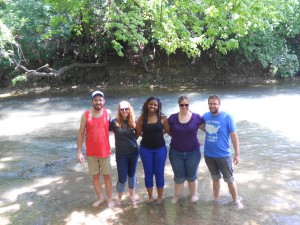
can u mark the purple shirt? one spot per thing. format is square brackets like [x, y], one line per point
[184, 135]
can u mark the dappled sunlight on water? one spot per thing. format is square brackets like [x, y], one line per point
[13, 194]
[278, 113]
[20, 123]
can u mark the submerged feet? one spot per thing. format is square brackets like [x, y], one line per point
[133, 199]
[194, 198]
[174, 200]
[238, 203]
[110, 203]
[150, 200]
[118, 201]
[99, 202]
[159, 201]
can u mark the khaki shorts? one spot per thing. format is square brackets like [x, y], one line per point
[98, 165]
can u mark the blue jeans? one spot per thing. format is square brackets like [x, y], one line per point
[126, 166]
[154, 161]
[185, 165]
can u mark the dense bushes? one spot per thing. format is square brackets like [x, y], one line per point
[33, 33]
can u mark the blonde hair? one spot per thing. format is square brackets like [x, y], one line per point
[130, 118]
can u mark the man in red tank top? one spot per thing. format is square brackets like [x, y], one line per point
[94, 130]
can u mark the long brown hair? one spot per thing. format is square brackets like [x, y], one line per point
[131, 117]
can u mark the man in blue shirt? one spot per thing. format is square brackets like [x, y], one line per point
[220, 128]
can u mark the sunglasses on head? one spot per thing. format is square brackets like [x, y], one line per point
[184, 105]
[124, 109]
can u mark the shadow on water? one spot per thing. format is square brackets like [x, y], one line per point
[270, 191]
[42, 183]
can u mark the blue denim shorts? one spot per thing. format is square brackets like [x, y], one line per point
[220, 166]
[185, 165]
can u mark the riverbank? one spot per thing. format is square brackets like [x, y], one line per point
[83, 88]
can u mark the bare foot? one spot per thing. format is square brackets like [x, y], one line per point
[97, 203]
[159, 201]
[150, 200]
[174, 200]
[217, 201]
[194, 198]
[118, 201]
[238, 203]
[132, 199]
[111, 203]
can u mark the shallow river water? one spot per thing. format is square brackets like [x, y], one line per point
[42, 183]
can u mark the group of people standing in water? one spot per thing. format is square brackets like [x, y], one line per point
[151, 125]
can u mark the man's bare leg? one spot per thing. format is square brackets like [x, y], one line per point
[97, 187]
[233, 191]
[108, 190]
[216, 189]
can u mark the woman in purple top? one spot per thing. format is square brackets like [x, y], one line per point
[184, 151]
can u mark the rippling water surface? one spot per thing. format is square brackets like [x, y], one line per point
[42, 183]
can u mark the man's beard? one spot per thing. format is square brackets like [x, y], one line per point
[98, 107]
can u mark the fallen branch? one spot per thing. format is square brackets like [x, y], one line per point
[55, 73]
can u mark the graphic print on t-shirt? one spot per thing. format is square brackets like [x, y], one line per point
[212, 128]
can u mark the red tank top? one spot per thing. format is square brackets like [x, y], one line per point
[97, 140]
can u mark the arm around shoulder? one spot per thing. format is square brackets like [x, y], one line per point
[202, 127]
[139, 124]
[108, 114]
[167, 129]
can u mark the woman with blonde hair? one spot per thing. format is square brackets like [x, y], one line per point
[124, 127]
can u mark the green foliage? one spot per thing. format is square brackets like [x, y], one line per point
[285, 65]
[18, 80]
[80, 24]
[268, 43]
[27, 21]
[7, 45]
[126, 24]
[262, 46]
[86, 30]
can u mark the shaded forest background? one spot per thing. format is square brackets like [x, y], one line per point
[142, 42]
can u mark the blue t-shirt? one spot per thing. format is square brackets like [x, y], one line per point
[218, 129]
[184, 135]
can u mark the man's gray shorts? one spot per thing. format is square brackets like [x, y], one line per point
[220, 166]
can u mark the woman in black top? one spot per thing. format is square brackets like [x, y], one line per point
[152, 125]
[126, 149]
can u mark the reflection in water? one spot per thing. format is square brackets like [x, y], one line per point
[41, 182]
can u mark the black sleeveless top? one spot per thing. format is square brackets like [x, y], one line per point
[153, 136]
